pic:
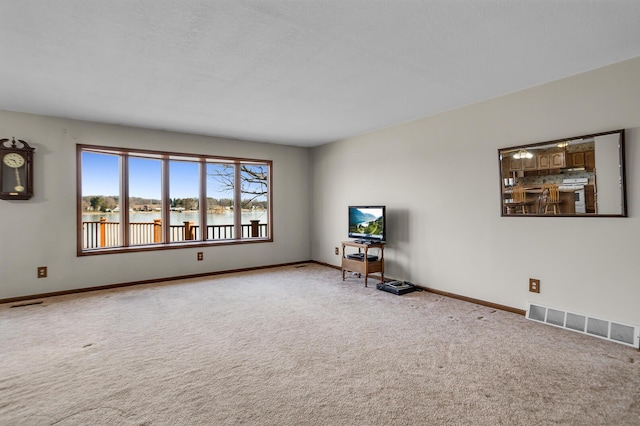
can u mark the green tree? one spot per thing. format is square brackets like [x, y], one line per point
[96, 202]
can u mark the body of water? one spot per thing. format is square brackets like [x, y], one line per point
[177, 218]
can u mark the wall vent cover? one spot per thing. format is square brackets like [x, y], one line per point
[614, 331]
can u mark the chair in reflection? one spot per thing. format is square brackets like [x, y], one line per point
[542, 201]
[520, 202]
[553, 200]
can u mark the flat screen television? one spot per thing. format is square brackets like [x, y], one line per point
[367, 223]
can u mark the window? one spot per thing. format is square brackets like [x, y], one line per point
[253, 180]
[100, 200]
[220, 201]
[184, 200]
[145, 207]
[132, 200]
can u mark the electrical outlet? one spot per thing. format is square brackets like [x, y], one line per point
[42, 272]
[337, 250]
[534, 285]
[200, 256]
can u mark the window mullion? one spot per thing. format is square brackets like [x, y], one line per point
[166, 211]
[203, 205]
[124, 198]
[237, 202]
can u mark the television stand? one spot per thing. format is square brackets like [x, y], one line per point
[360, 257]
[362, 262]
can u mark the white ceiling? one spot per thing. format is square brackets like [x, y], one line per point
[297, 72]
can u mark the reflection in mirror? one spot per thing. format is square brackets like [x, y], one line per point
[577, 176]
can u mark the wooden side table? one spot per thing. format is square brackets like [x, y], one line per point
[363, 266]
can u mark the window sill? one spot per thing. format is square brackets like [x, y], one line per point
[171, 246]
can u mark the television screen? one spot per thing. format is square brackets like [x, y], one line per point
[367, 222]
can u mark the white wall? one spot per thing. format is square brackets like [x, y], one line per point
[42, 231]
[439, 178]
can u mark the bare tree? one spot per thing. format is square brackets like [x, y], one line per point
[253, 181]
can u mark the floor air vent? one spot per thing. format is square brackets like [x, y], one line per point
[616, 332]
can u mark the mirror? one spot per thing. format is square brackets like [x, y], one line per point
[578, 176]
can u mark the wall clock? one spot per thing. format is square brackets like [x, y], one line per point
[16, 170]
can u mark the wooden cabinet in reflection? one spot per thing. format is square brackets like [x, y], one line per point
[529, 163]
[518, 164]
[590, 198]
[543, 161]
[550, 160]
[515, 164]
[557, 160]
[576, 159]
[586, 159]
[590, 160]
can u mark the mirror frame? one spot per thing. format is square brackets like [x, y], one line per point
[504, 190]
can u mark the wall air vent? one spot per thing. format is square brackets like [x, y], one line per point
[614, 331]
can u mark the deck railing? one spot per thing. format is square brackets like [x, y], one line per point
[186, 232]
[219, 232]
[255, 229]
[143, 232]
[107, 234]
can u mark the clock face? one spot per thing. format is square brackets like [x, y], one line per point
[13, 159]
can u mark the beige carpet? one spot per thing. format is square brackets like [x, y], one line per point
[297, 346]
